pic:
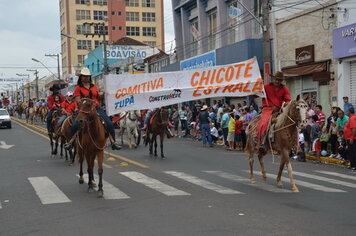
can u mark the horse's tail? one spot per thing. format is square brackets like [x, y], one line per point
[147, 139]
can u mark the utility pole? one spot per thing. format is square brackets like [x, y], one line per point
[36, 74]
[58, 68]
[267, 68]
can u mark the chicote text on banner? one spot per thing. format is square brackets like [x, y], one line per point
[146, 91]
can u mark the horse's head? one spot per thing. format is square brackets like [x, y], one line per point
[163, 115]
[134, 115]
[86, 111]
[301, 108]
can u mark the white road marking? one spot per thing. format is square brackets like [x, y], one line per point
[240, 179]
[333, 181]
[110, 191]
[203, 183]
[307, 184]
[47, 191]
[0, 205]
[337, 174]
[3, 145]
[154, 184]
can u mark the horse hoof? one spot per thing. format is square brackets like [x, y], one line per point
[100, 193]
[90, 189]
[279, 184]
[53, 156]
[295, 190]
[162, 156]
[81, 181]
[264, 178]
[253, 181]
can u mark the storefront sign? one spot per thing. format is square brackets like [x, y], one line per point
[152, 90]
[10, 80]
[344, 41]
[304, 55]
[124, 52]
[205, 60]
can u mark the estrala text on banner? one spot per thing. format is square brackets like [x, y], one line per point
[147, 91]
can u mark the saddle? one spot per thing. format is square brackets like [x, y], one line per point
[152, 117]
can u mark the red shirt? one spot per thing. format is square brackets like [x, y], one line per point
[69, 107]
[321, 120]
[238, 127]
[275, 97]
[91, 93]
[351, 124]
[51, 102]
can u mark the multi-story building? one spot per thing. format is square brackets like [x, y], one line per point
[139, 19]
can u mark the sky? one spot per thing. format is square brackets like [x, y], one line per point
[30, 29]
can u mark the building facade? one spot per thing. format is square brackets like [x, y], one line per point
[344, 51]
[138, 19]
[304, 54]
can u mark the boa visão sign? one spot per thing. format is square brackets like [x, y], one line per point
[146, 91]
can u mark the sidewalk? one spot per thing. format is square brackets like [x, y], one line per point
[328, 160]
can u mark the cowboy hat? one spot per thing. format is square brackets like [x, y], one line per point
[55, 87]
[278, 75]
[204, 108]
[85, 71]
[69, 93]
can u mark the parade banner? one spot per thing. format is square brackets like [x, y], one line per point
[146, 91]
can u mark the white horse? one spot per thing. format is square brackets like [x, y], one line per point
[129, 122]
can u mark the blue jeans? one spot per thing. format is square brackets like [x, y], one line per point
[108, 123]
[49, 120]
[206, 133]
[61, 120]
[147, 117]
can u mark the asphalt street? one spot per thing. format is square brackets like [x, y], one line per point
[196, 190]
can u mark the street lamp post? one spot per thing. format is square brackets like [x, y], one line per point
[36, 73]
[58, 68]
[23, 84]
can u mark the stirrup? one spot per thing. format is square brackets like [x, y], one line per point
[115, 146]
[67, 146]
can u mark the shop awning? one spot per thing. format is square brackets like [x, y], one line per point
[305, 69]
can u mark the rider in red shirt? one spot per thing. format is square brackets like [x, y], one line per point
[53, 104]
[68, 108]
[276, 95]
[86, 89]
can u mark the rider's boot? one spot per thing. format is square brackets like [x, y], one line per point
[114, 144]
[170, 125]
[68, 146]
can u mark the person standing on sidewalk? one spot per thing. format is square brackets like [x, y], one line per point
[350, 136]
[204, 121]
[231, 131]
[183, 120]
[321, 115]
[225, 125]
[347, 105]
[315, 134]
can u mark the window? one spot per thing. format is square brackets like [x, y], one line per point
[149, 31]
[100, 2]
[132, 31]
[148, 3]
[120, 28]
[84, 44]
[234, 18]
[113, 13]
[82, 2]
[100, 29]
[60, 4]
[148, 16]
[62, 19]
[100, 15]
[64, 61]
[113, 28]
[195, 36]
[83, 29]
[131, 3]
[83, 14]
[212, 29]
[63, 47]
[119, 13]
[97, 43]
[132, 16]
[81, 59]
[151, 43]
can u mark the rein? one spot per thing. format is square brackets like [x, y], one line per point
[92, 140]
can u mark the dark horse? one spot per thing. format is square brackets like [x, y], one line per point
[157, 127]
[91, 142]
[53, 136]
[66, 135]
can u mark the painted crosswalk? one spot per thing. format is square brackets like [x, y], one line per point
[47, 191]
[202, 183]
[154, 184]
[336, 174]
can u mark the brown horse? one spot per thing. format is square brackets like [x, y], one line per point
[42, 113]
[284, 138]
[53, 135]
[66, 135]
[157, 127]
[19, 110]
[91, 142]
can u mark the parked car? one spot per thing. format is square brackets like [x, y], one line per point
[5, 119]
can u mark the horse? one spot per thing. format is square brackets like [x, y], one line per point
[91, 142]
[157, 127]
[30, 114]
[19, 111]
[129, 122]
[285, 136]
[65, 136]
[53, 134]
[42, 113]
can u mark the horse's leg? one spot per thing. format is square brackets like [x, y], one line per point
[90, 173]
[100, 172]
[263, 168]
[129, 136]
[155, 140]
[81, 159]
[51, 142]
[290, 173]
[61, 146]
[150, 143]
[250, 161]
[135, 137]
[281, 167]
[161, 138]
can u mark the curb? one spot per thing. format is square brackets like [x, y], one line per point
[328, 160]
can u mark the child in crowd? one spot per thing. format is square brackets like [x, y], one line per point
[231, 131]
[214, 133]
[238, 131]
[324, 139]
[342, 145]
[301, 141]
[315, 134]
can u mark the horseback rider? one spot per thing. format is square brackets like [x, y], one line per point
[277, 95]
[53, 105]
[147, 120]
[86, 89]
[68, 108]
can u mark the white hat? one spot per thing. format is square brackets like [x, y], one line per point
[204, 108]
[85, 71]
[69, 93]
